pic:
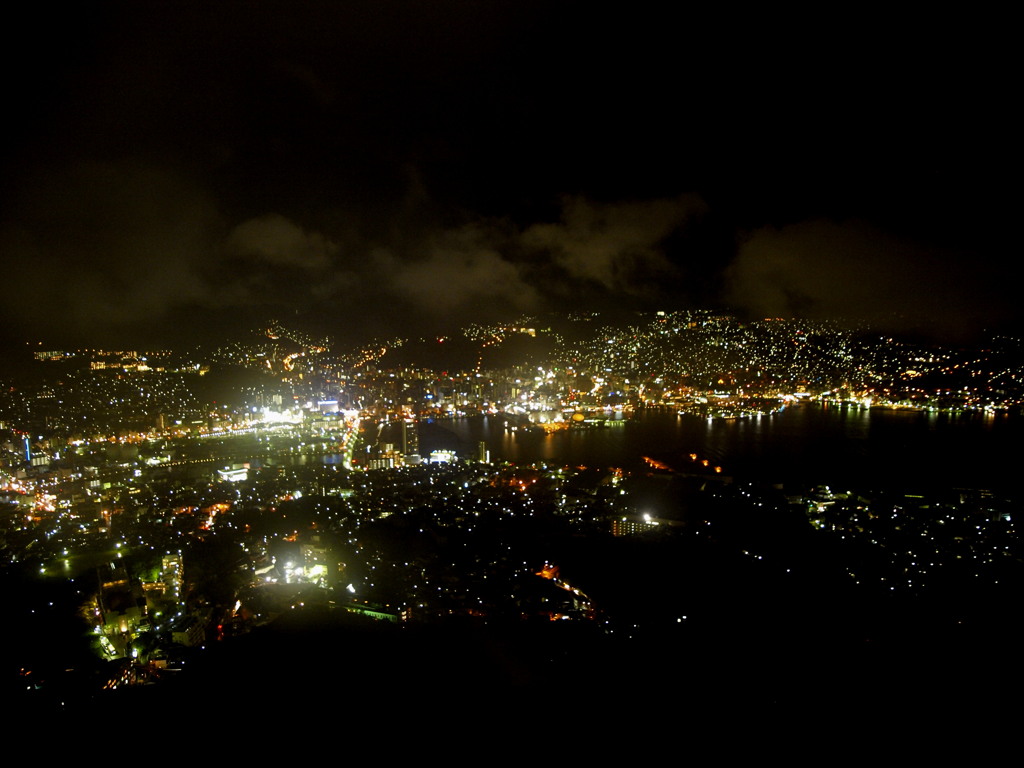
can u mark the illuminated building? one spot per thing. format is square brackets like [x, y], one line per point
[172, 574]
[315, 558]
[628, 526]
[410, 437]
[122, 609]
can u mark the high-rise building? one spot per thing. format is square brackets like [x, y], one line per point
[410, 437]
[172, 575]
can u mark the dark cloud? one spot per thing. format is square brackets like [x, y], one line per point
[96, 247]
[276, 240]
[462, 270]
[852, 270]
[618, 246]
[185, 165]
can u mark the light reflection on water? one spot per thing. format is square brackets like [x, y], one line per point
[808, 443]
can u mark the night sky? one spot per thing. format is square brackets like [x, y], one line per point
[173, 172]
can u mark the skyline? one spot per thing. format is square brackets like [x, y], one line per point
[377, 168]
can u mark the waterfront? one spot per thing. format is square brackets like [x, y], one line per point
[743, 581]
[804, 444]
